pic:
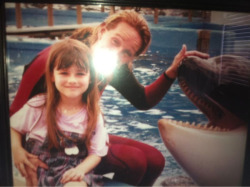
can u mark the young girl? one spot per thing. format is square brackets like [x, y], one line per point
[64, 128]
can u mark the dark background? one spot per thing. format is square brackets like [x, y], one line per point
[5, 152]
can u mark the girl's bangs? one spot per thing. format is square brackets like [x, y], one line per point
[68, 59]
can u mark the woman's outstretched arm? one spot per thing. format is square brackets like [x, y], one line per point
[146, 97]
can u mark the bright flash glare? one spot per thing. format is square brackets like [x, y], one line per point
[105, 61]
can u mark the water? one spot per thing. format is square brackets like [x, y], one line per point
[121, 117]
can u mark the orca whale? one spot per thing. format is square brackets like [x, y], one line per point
[212, 153]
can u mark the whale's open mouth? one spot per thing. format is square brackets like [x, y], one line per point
[220, 119]
[201, 81]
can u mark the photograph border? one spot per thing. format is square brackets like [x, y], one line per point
[5, 152]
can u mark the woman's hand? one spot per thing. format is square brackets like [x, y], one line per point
[172, 70]
[73, 174]
[21, 160]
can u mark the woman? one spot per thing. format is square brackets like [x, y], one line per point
[127, 34]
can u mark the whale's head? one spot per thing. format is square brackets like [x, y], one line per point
[212, 154]
[219, 87]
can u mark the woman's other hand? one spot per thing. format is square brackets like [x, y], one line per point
[21, 160]
[31, 179]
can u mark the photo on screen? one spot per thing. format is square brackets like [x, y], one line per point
[175, 106]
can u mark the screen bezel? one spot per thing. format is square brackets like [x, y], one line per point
[5, 158]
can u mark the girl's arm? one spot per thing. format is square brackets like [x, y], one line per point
[78, 173]
[20, 155]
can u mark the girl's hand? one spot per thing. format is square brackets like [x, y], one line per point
[172, 70]
[21, 160]
[77, 173]
[73, 174]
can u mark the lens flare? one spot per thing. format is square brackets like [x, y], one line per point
[105, 61]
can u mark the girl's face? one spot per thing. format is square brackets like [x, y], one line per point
[71, 82]
[123, 39]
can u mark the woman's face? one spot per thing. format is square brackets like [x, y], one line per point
[71, 82]
[124, 40]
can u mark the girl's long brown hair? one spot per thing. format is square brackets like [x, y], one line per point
[64, 54]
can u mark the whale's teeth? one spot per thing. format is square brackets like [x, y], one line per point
[183, 84]
[199, 125]
[192, 96]
[217, 129]
[189, 92]
[200, 102]
[185, 89]
[210, 128]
